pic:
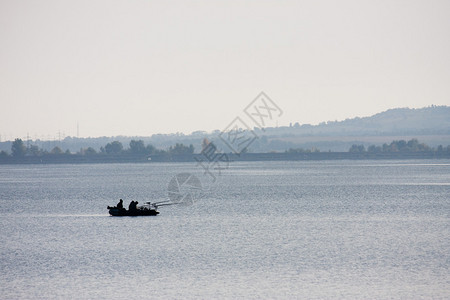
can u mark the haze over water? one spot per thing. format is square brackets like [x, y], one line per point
[331, 229]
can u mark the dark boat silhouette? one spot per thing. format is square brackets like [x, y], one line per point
[121, 212]
[147, 209]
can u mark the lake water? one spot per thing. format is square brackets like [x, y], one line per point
[314, 230]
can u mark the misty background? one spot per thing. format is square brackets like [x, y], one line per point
[430, 125]
[141, 68]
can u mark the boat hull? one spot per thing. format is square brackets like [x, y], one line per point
[117, 212]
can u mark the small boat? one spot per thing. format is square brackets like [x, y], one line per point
[145, 210]
[120, 212]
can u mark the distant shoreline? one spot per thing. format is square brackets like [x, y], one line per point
[229, 157]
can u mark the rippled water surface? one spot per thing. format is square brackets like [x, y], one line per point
[335, 229]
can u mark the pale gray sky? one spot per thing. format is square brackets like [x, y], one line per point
[144, 67]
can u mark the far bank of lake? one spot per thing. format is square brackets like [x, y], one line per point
[219, 157]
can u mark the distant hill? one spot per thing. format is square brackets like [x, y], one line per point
[398, 121]
[430, 125]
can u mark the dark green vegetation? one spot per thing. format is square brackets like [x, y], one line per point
[139, 152]
[18, 149]
[412, 145]
[115, 148]
[397, 146]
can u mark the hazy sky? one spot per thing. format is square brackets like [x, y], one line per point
[144, 67]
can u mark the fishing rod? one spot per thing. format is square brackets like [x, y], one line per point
[160, 203]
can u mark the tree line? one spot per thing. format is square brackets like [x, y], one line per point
[136, 147]
[412, 145]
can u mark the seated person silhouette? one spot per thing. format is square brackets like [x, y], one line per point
[120, 204]
[132, 206]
